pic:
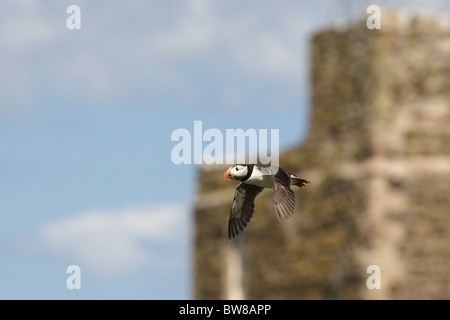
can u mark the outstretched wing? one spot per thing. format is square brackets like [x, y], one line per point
[242, 209]
[283, 196]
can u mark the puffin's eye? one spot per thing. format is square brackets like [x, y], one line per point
[237, 169]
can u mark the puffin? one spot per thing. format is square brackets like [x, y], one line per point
[254, 178]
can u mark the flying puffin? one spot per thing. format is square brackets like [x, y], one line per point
[256, 177]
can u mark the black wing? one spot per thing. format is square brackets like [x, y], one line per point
[283, 196]
[242, 209]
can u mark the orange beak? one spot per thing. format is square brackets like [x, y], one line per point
[225, 175]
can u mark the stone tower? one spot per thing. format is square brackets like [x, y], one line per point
[378, 158]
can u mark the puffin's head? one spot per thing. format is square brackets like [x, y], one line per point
[237, 172]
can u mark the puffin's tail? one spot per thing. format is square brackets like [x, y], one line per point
[299, 182]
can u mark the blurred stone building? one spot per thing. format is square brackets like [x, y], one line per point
[378, 158]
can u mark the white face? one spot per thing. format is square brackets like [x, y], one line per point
[238, 172]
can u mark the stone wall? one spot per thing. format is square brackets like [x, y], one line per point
[378, 158]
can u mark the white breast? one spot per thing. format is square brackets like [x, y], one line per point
[259, 179]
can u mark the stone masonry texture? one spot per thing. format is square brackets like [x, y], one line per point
[378, 158]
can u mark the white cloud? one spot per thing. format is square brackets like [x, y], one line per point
[121, 53]
[113, 243]
[155, 48]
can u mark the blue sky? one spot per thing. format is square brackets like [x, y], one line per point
[86, 118]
